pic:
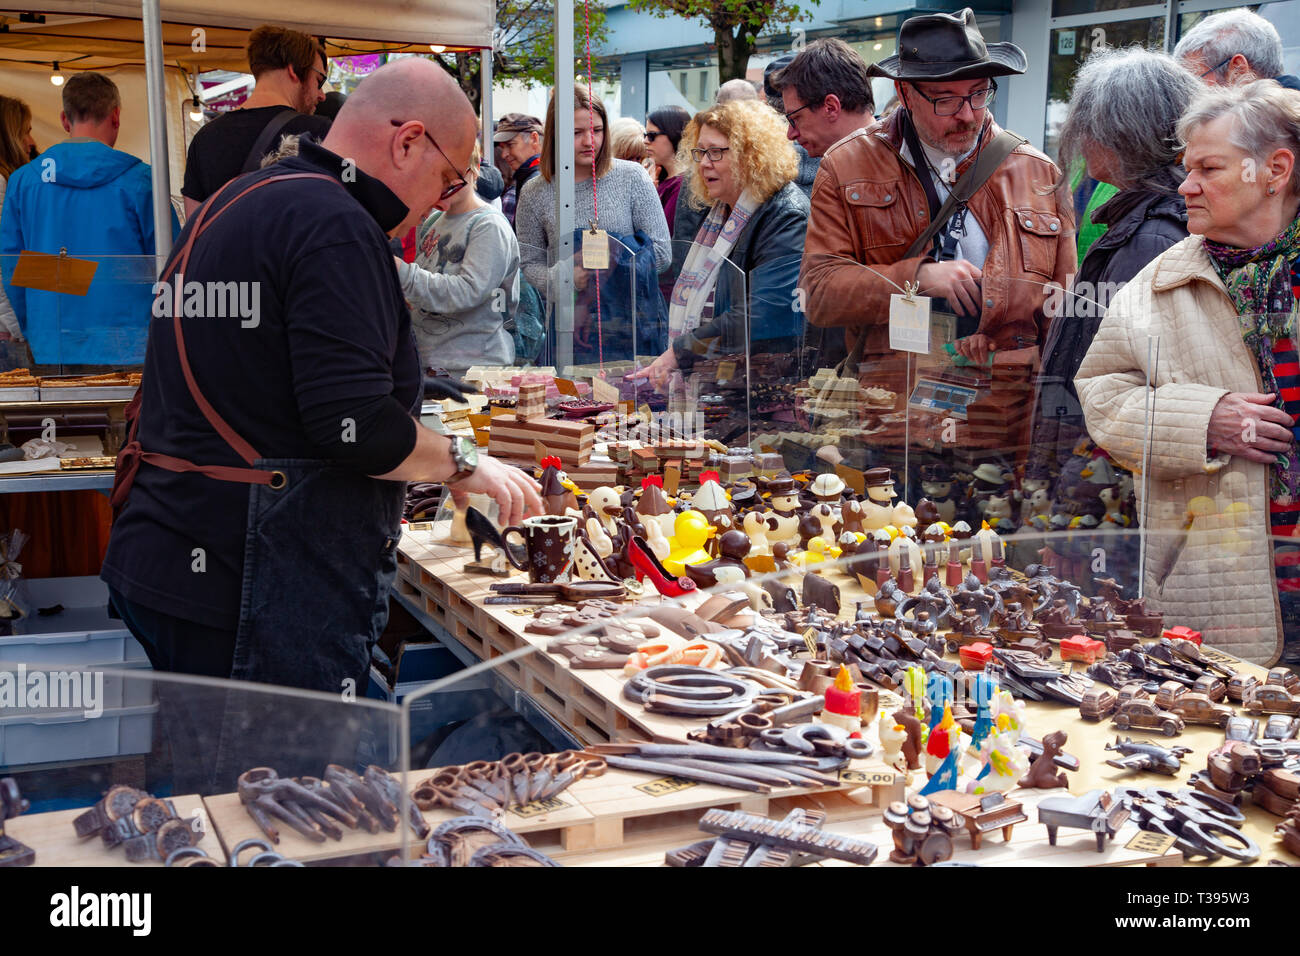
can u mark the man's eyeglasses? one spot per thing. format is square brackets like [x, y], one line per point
[320, 84]
[454, 187]
[713, 152]
[951, 105]
[789, 117]
[1218, 66]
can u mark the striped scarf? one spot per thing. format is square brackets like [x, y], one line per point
[713, 243]
[1259, 283]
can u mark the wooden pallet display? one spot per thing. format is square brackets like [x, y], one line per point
[1028, 845]
[56, 843]
[545, 824]
[634, 809]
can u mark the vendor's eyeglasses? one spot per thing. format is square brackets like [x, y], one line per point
[713, 152]
[951, 105]
[454, 187]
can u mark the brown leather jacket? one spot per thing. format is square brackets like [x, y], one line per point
[868, 206]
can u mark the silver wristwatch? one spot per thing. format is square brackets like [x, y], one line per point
[464, 453]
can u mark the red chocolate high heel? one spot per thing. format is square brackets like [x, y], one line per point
[644, 560]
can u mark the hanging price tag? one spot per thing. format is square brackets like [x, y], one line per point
[909, 322]
[595, 249]
[567, 387]
[810, 640]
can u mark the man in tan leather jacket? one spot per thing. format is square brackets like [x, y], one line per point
[995, 260]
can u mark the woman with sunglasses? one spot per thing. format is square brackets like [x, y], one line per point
[744, 168]
[663, 136]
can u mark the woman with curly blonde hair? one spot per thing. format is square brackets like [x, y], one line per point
[744, 170]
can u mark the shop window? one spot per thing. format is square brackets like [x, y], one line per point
[1070, 47]
[1070, 8]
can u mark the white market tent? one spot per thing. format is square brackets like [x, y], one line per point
[150, 48]
[121, 39]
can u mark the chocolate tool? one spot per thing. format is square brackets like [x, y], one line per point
[12, 804]
[519, 592]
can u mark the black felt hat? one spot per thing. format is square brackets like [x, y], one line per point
[947, 46]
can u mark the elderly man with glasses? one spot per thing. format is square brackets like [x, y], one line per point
[1234, 46]
[995, 246]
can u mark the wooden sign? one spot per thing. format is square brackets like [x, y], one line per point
[51, 273]
[567, 387]
[602, 391]
[853, 478]
[672, 477]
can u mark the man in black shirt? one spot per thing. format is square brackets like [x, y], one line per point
[290, 69]
[257, 540]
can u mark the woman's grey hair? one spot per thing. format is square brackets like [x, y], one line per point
[1265, 116]
[1129, 101]
[1222, 35]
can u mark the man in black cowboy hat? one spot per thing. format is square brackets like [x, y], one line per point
[997, 245]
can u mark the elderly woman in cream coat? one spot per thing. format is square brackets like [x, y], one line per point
[1224, 472]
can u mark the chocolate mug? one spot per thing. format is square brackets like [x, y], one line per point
[548, 544]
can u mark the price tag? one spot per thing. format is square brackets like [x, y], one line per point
[420, 526]
[645, 413]
[540, 451]
[875, 778]
[909, 323]
[726, 371]
[567, 387]
[595, 249]
[666, 785]
[602, 391]
[672, 478]
[538, 807]
[628, 407]
[496, 410]
[810, 639]
[853, 478]
[1148, 842]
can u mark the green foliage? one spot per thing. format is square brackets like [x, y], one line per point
[735, 24]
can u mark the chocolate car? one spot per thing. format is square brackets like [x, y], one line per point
[1144, 714]
[1271, 699]
[1169, 692]
[1239, 684]
[1199, 709]
[1284, 676]
[1211, 686]
[1098, 703]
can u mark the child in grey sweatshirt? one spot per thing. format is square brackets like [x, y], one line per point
[463, 286]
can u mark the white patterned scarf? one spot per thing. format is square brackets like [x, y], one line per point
[713, 243]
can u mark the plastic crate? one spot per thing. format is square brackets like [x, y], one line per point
[62, 737]
[124, 685]
[80, 635]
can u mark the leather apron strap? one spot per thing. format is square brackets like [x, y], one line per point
[132, 454]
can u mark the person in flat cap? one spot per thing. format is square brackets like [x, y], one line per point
[882, 215]
[518, 142]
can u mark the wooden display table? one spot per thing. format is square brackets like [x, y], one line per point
[589, 703]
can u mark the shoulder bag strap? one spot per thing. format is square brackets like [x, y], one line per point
[977, 175]
[262, 145]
